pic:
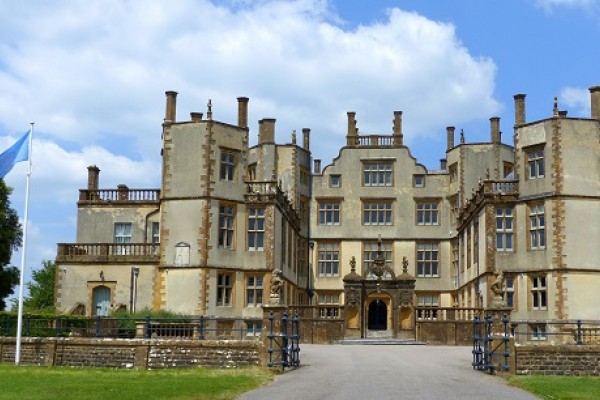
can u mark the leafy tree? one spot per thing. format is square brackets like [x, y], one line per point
[10, 240]
[41, 288]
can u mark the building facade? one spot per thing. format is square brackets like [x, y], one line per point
[230, 218]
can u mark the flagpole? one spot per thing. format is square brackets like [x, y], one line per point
[23, 254]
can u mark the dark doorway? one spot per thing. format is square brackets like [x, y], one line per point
[377, 315]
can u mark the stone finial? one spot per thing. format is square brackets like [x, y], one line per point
[276, 287]
[353, 264]
[404, 265]
[555, 108]
[498, 288]
[294, 136]
[209, 112]
[462, 136]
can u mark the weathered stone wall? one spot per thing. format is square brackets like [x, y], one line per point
[451, 333]
[557, 360]
[321, 331]
[134, 353]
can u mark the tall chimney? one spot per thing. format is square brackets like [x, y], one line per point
[595, 97]
[266, 131]
[449, 138]
[317, 166]
[242, 112]
[93, 177]
[495, 129]
[171, 106]
[398, 138]
[306, 138]
[519, 109]
[351, 137]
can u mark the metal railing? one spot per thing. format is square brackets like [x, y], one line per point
[284, 343]
[190, 328]
[490, 344]
[556, 332]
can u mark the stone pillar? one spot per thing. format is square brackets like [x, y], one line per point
[266, 133]
[93, 177]
[495, 129]
[306, 138]
[499, 314]
[123, 191]
[398, 137]
[196, 116]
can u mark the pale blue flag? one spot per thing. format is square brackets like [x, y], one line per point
[16, 153]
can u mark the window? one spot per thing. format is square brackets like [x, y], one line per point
[419, 181]
[504, 229]
[329, 213]
[224, 289]
[537, 236]
[427, 260]
[535, 162]
[329, 259]
[427, 300]
[123, 232]
[155, 233]
[507, 169]
[377, 174]
[538, 293]
[253, 328]
[335, 181]
[377, 213]
[226, 214]
[537, 332]
[254, 291]
[329, 305]
[251, 172]
[303, 176]
[510, 292]
[122, 236]
[370, 252]
[228, 160]
[256, 229]
[427, 213]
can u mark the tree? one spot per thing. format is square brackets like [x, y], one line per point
[41, 288]
[10, 240]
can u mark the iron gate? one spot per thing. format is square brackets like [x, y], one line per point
[490, 349]
[284, 346]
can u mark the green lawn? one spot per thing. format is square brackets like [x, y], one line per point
[96, 384]
[559, 387]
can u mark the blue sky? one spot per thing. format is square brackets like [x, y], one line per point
[92, 75]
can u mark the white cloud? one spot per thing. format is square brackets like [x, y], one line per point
[550, 4]
[92, 75]
[578, 99]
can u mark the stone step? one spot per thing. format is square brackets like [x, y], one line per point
[379, 341]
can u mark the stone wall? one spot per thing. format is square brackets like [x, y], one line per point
[452, 333]
[557, 360]
[321, 331]
[134, 353]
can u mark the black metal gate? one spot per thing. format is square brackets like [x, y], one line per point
[284, 346]
[490, 349]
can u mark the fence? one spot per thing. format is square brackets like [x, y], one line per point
[189, 328]
[551, 332]
[284, 341]
[491, 344]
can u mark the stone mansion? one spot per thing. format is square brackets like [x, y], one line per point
[228, 217]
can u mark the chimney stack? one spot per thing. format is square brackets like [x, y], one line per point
[242, 112]
[306, 138]
[351, 137]
[196, 116]
[443, 164]
[398, 138]
[171, 106]
[519, 109]
[449, 138]
[495, 129]
[595, 97]
[317, 166]
[266, 131]
[93, 177]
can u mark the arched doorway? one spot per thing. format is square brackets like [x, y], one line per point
[101, 301]
[377, 315]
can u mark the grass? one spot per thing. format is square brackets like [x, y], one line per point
[559, 387]
[98, 383]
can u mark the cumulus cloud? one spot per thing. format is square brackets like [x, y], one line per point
[578, 99]
[551, 4]
[92, 75]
